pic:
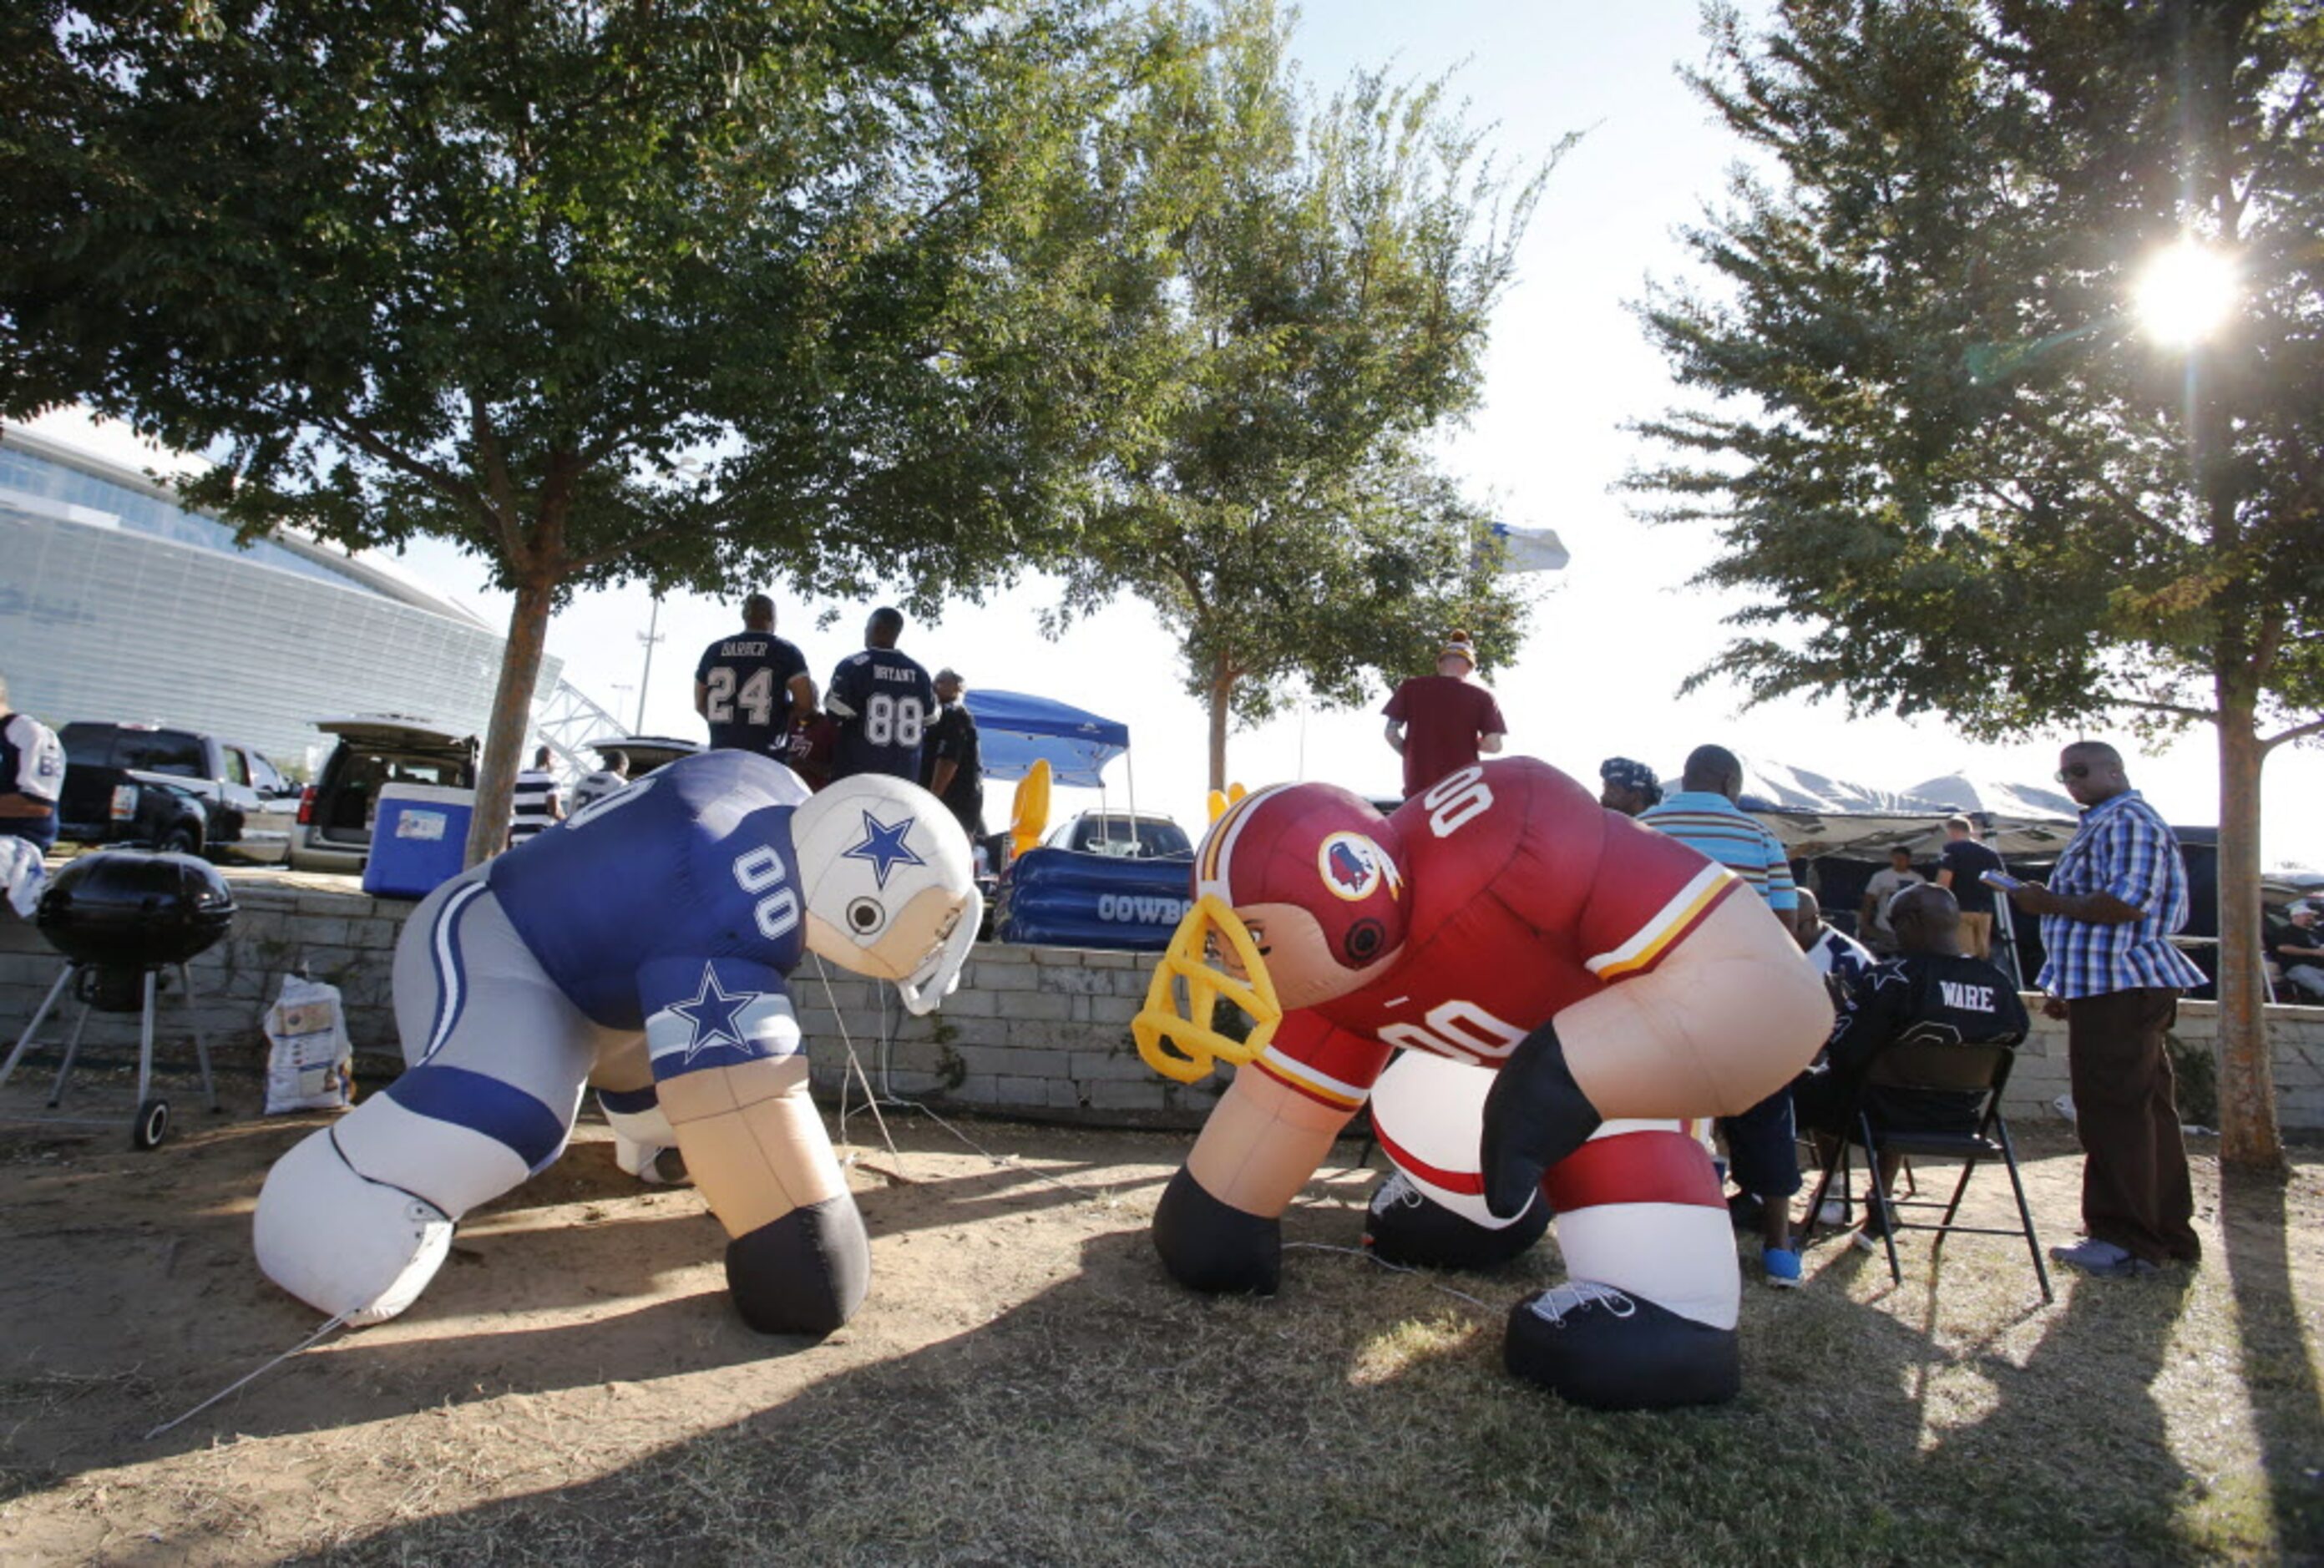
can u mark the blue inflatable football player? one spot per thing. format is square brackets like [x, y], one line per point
[644, 947]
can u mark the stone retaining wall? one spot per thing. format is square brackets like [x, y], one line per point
[1033, 1031]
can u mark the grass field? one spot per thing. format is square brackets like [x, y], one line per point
[1080, 1410]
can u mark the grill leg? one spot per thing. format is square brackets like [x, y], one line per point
[24, 1040]
[193, 1024]
[146, 1041]
[56, 1089]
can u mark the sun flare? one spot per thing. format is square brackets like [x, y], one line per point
[2184, 293]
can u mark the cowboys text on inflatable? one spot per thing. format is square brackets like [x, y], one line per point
[1613, 982]
[644, 947]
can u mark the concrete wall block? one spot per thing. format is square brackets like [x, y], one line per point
[1001, 953]
[1064, 1095]
[1117, 1010]
[1112, 1066]
[1112, 1096]
[1060, 1035]
[1033, 1091]
[1035, 1006]
[977, 1089]
[966, 1003]
[1002, 977]
[1012, 1060]
[1076, 981]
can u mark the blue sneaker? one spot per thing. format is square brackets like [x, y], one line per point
[1783, 1267]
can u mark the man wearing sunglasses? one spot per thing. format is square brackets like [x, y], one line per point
[2111, 972]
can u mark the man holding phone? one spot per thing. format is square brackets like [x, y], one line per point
[2112, 973]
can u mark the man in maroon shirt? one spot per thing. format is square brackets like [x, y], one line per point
[1439, 723]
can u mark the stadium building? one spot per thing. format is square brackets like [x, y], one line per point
[118, 603]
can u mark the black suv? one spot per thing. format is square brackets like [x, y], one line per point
[175, 790]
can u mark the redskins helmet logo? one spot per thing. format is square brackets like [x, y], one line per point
[1353, 867]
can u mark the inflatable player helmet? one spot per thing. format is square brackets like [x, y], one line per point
[889, 884]
[1313, 846]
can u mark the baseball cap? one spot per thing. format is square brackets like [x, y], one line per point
[949, 673]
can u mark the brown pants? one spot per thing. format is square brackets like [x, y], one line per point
[2136, 1191]
[1977, 934]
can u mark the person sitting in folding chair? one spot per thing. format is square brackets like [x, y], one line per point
[1929, 991]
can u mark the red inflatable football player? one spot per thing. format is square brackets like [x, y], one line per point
[1617, 981]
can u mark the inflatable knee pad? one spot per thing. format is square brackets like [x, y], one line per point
[1211, 1246]
[1598, 1347]
[802, 1274]
[340, 1244]
[1405, 1227]
[1534, 1116]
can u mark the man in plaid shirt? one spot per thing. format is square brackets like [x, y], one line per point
[2112, 973]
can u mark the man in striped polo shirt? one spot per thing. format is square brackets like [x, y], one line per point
[2107, 913]
[1760, 1146]
[535, 804]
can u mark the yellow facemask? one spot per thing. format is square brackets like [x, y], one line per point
[1186, 1045]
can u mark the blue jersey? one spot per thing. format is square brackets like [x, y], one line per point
[884, 701]
[679, 893]
[748, 699]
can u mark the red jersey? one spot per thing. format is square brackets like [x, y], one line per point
[1443, 717]
[1526, 896]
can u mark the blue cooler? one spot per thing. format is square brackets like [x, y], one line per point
[418, 839]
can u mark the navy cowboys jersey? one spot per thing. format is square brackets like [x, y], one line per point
[679, 892]
[748, 699]
[884, 701]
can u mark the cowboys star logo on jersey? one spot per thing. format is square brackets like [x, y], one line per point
[713, 1015]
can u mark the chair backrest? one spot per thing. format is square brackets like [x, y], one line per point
[1932, 1058]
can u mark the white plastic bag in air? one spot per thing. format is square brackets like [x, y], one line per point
[309, 1063]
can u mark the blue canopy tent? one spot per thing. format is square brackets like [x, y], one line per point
[1015, 731]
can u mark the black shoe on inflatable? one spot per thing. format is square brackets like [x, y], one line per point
[1405, 1226]
[1594, 1346]
[804, 1272]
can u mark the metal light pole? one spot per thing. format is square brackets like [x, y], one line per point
[650, 636]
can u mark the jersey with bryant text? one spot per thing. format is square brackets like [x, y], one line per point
[747, 695]
[682, 888]
[1526, 897]
[884, 701]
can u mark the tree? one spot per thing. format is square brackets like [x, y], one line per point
[1297, 298]
[676, 292]
[1945, 454]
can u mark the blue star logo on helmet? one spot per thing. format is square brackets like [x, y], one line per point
[883, 845]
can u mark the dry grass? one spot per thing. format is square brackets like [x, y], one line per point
[1076, 1409]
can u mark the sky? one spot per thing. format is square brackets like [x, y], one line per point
[1612, 637]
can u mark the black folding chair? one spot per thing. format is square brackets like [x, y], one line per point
[1927, 1062]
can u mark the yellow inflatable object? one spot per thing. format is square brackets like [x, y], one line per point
[1186, 1045]
[1029, 814]
[1235, 792]
[1217, 801]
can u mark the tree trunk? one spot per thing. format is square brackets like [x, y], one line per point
[1221, 701]
[2248, 1135]
[512, 718]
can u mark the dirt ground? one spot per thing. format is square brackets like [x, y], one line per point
[582, 1328]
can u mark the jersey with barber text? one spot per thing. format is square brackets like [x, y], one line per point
[884, 701]
[746, 697]
[1526, 897]
[679, 893]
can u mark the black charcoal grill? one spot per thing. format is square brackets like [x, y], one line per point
[123, 919]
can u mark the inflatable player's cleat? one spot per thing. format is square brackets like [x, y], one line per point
[1601, 1348]
[1403, 1226]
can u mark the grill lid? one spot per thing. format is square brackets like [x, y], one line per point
[135, 909]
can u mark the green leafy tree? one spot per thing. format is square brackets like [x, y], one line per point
[1298, 293]
[676, 291]
[1955, 467]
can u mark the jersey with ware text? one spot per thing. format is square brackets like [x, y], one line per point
[1526, 896]
[884, 702]
[747, 695]
[681, 888]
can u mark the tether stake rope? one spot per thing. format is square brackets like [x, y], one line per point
[307, 1343]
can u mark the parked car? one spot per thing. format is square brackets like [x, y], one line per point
[174, 789]
[645, 753]
[374, 750]
[1143, 837]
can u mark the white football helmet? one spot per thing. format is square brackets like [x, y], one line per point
[889, 884]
